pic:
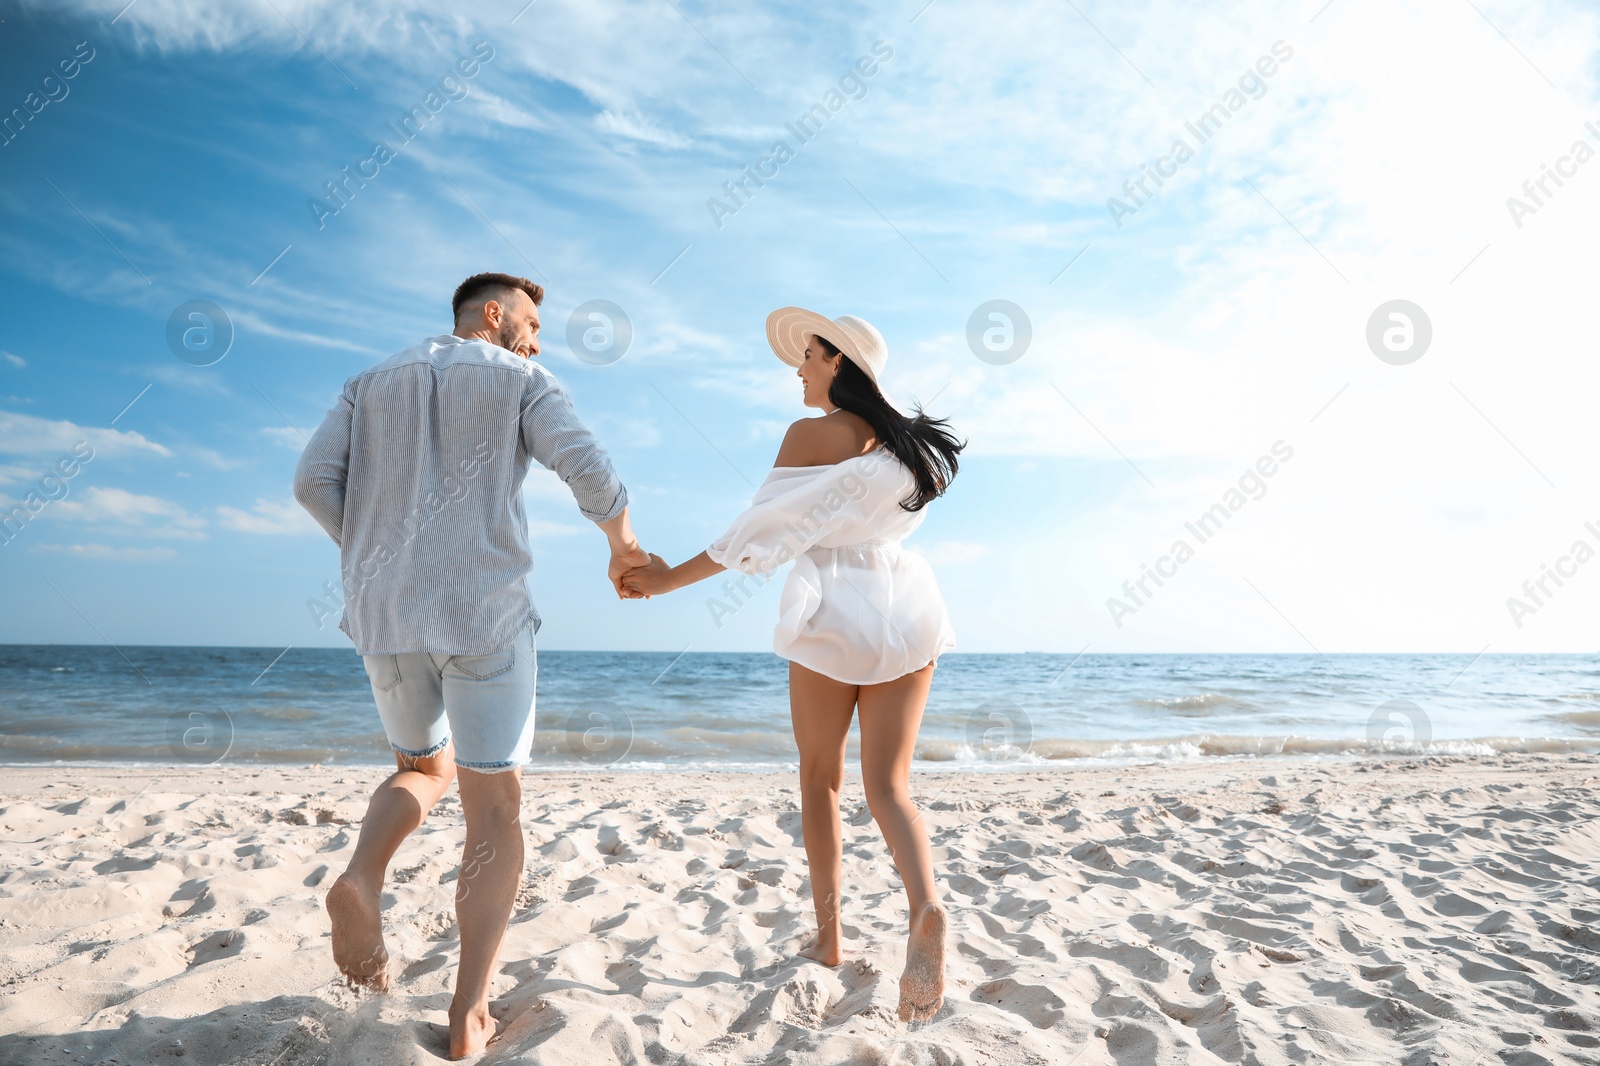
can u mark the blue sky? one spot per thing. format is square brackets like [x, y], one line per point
[1176, 335]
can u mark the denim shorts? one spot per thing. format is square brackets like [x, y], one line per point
[484, 701]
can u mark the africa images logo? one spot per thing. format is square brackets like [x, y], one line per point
[453, 85]
[1252, 85]
[1251, 485]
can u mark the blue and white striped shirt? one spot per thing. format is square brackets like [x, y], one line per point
[416, 473]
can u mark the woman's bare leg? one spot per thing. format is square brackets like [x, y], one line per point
[820, 709]
[891, 714]
[397, 808]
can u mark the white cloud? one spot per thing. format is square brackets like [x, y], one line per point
[171, 25]
[285, 436]
[538, 527]
[128, 512]
[501, 112]
[15, 360]
[101, 551]
[543, 487]
[212, 458]
[269, 518]
[636, 127]
[201, 380]
[22, 434]
[543, 493]
[261, 324]
[630, 430]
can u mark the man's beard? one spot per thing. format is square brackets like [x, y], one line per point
[506, 338]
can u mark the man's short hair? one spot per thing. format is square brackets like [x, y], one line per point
[482, 287]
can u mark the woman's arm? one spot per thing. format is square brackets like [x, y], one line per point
[658, 577]
[823, 441]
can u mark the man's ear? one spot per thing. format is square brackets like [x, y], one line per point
[492, 314]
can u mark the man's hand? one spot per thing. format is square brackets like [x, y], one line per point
[624, 560]
[625, 552]
[652, 579]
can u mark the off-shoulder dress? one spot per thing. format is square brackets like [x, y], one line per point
[857, 607]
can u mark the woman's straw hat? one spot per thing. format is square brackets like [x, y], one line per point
[789, 327]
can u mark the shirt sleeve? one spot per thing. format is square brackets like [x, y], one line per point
[789, 516]
[324, 468]
[558, 441]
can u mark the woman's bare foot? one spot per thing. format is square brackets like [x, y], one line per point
[825, 951]
[922, 983]
[470, 1030]
[358, 948]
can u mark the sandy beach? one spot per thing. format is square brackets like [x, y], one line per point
[1381, 910]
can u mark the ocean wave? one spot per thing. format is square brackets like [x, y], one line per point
[932, 757]
[1579, 718]
[593, 746]
[955, 751]
[691, 766]
[1202, 703]
[559, 751]
[1045, 751]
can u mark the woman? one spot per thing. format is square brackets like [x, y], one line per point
[861, 622]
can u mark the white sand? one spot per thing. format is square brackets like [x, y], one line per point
[1261, 911]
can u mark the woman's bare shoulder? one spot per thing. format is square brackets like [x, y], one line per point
[823, 441]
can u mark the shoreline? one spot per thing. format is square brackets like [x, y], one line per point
[218, 774]
[1192, 750]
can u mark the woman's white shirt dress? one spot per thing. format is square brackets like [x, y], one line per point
[857, 607]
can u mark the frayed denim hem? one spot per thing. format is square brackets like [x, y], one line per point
[436, 749]
[490, 767]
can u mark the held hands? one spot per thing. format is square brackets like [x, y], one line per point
[638, 575]
[624, 561]
[650, 579]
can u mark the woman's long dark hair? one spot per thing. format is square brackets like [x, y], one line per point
[924, 444]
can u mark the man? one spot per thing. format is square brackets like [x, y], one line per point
[416, 474]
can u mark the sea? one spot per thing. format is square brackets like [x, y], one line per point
[645, 711]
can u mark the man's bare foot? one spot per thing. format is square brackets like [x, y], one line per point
[825, 951]
[922, 983]
[358, 948]
[470, 1030]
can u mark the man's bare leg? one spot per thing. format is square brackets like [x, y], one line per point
[397, 808]
[491, 870]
